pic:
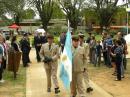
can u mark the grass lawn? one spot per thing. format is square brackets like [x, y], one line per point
[11, 87]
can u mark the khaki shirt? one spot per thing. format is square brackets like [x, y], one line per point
[79, 59]
[86, 47]
[53, 52]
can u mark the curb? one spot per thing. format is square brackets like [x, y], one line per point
[100, 90]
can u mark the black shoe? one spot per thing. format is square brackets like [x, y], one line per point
[90, 89]
[49, 90]
[29, 62]
[57, 90]
[26, 65]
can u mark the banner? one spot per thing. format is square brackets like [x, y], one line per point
[66, 62]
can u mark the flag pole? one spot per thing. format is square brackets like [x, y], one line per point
[68, 25]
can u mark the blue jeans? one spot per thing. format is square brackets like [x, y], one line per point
[108, 59]
[122, 66]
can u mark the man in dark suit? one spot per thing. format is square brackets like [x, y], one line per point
[25, 47]
[62, 40]
[38, 41]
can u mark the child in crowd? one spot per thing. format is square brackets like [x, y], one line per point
[98, 53]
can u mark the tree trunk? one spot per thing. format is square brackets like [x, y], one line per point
[44, 25]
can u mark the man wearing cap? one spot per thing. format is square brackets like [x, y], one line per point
[85, 73]
[49, 55]
[79, 61]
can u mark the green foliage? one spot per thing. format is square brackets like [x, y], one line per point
[72, 9]
[90, 16]
[105, 10]
[15, 8]
[56, 40]
[28, 14]
[57, 12]
[55, 30]
[120, 16]
[2, 9]
[31, 40]
[45, 10]
[5, 21]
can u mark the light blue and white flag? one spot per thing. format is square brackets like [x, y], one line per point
[66, 62]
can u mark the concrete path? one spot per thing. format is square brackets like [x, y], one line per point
[36, 83]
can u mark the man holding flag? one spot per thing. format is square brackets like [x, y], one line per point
[79, 61]
[73, 61]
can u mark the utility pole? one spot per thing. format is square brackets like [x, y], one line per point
[127, 17]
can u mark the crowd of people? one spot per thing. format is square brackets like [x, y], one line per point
[113, 50]
[11, 44]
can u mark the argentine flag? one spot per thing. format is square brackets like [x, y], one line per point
[66, 62]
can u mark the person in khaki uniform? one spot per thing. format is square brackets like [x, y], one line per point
[85, 74]
[79, 60]
[49, 55]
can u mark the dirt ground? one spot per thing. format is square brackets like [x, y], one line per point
[103, 77]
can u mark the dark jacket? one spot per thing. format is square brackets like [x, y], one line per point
[25, 45]
[15, 46]
[39, 40]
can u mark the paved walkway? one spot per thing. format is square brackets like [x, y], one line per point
[36, 83]
[128, 56]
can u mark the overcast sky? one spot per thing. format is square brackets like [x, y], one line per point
[120, 2]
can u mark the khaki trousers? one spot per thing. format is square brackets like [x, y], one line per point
[51, 73]
[86, 78]
[77, 84]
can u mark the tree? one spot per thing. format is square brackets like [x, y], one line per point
[28, 14]
[105, 10]
[57, 13]
[72, 9]
[120, 16]
[45, 10]
[3, 18]
[15, 8]
[2, 9]
[90, 16]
